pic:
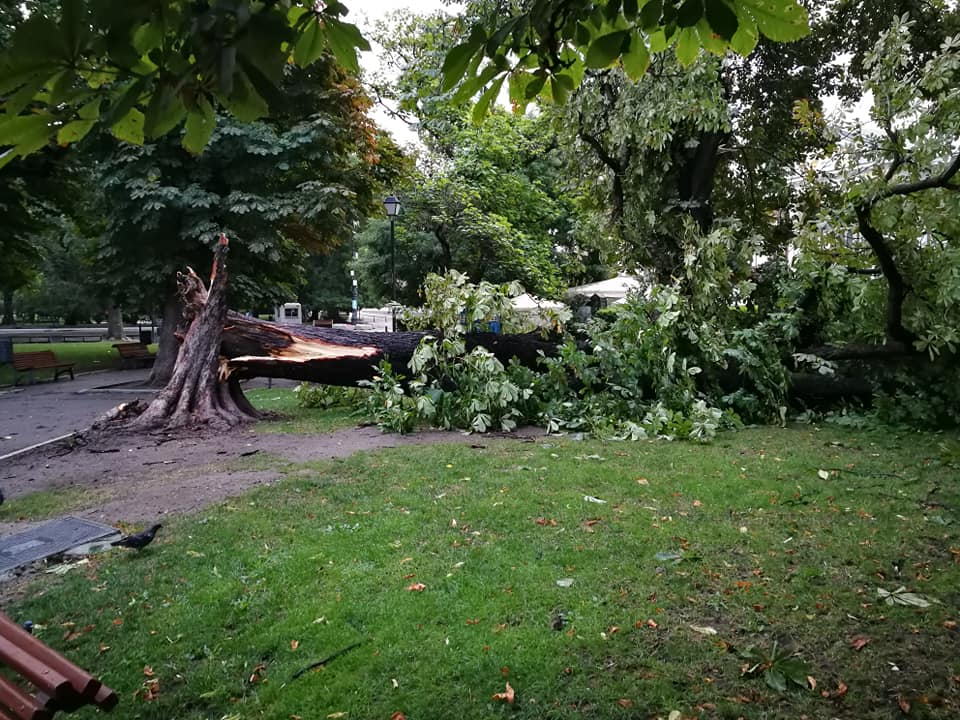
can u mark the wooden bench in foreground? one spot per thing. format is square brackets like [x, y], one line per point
[53, 683]
[135, 355]
[40, 360]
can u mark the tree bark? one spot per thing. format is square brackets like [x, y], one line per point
[200, 391]
[114, 323]
[896, 285]
[329, 356]
[169, 345]
[7, 308]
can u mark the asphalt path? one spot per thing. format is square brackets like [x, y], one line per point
[45, 411]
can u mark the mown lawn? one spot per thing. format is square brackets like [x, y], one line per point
[461, 569]
[291, 418]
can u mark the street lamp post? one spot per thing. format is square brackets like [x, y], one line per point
[392, 205]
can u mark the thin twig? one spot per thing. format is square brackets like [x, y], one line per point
[329, 658]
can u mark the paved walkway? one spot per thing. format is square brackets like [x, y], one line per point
[31, 414]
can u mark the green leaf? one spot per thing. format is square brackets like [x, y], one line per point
[164, 113]
[147, 37]
[559, 89]
[689, 13]
[74, 131]
[90, 111]
[658, 41]
[688, 46]
[127, 97]
[199, 127]
[709, 39]
[27, 133]
[534, 87]
[482, 107]
[344, 40]
[75, 25]
[630, 9]
[129, 128]
[517, 84]
[244, 103]
[311, 43]
[605, 49]
[20, 99]
[455, 64]
[472, 84]
[650, 14]
[779, 20]
[722, 20]
[637, 59]
[775, 679]
[17, 129]
[745, 39]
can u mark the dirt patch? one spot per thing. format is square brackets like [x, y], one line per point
[149, 476]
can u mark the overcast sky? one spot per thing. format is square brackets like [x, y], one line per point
[365, 15]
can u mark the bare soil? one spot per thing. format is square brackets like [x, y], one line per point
[139, 478]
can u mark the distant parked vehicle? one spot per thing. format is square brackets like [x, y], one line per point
[289, 314]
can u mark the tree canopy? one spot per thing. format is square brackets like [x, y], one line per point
[145, 69]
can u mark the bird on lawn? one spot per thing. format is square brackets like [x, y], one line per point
[138, 541]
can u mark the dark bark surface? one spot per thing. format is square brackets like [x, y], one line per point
[256, 348]
[200, 391]
[169, 345]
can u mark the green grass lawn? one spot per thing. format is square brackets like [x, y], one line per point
[461, 569]
[291, 418]
[86, 357]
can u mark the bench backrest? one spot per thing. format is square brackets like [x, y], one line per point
[26, 360]
[132, 349]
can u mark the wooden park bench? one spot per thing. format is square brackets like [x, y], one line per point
[43, 682]
[135, 355]
[40, 360]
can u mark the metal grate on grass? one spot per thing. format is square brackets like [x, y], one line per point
[51, 538]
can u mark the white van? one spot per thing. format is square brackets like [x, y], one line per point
[289, 314]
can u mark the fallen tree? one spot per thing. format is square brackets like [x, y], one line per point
[219, 349]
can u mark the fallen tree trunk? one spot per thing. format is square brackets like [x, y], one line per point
[333, 356]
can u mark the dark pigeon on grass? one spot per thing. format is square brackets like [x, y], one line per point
[138, 541]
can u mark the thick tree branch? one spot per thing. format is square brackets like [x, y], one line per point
[929, 183]
[896, 286]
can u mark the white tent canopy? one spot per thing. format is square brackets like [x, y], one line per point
[527, 303]
[613, 289]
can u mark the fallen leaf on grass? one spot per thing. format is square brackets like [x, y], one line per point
[506, 696]
[544, 521]
[148, 671]
[859, 642]
[900, 596]
[416, 587]
[703, 629]
[812, 682]
[625, 703]
[398, 716]
[950, 624]
[823, 474]
[337, 715]
[294, 644]
[904, 705]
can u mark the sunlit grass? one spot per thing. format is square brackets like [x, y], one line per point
[586, 608]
